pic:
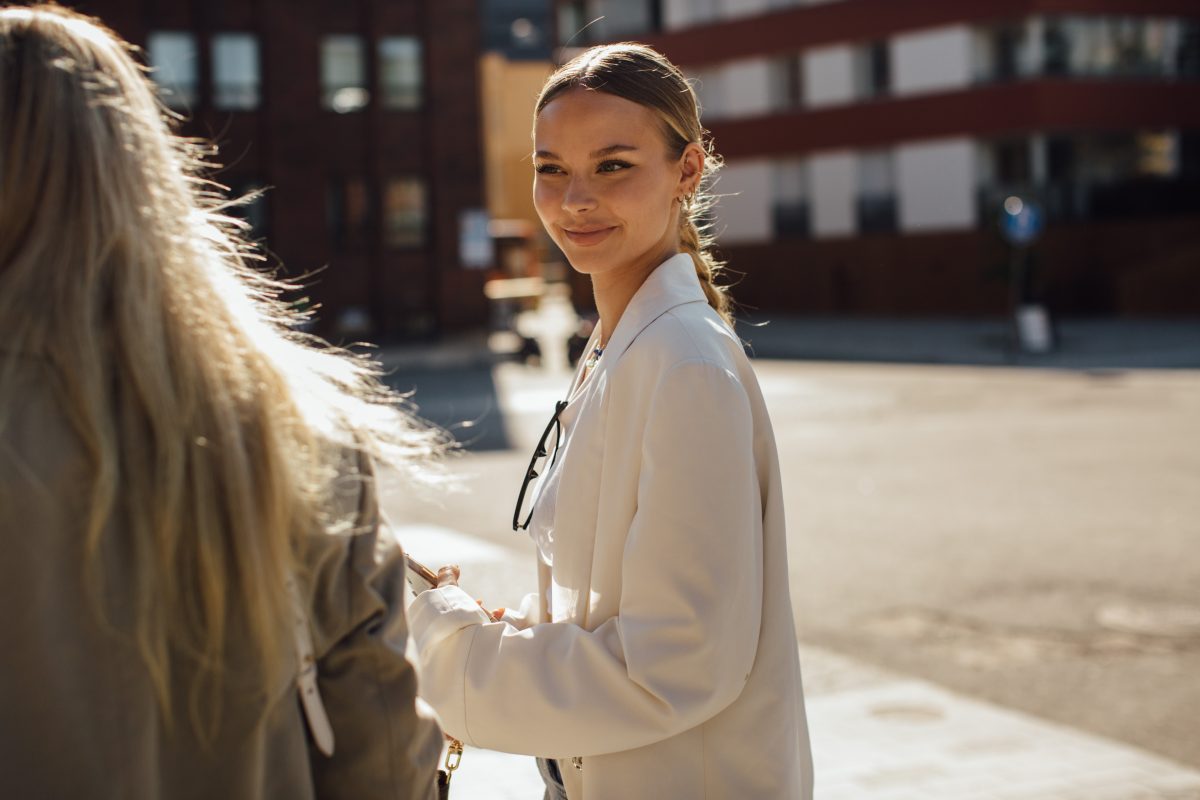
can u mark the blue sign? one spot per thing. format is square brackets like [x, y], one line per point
[1022, 221]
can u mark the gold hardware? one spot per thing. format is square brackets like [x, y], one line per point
[454, 755]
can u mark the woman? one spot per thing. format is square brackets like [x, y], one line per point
[188, 512]
[659, 659]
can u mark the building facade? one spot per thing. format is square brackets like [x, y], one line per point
[361, 121]
[870, 145]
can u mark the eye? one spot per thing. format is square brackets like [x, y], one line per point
[547, 169]
[613, 166]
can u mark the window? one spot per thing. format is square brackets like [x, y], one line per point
[1120, 47]
[786, 88]
[626, 19]
[1189, 155]
[872, 70]
[343, 74]
[404, 213]
[1000, 52]
[1187, 52]
[173, 58]
[702, 11]
[876, 192]
[348, 210]
[1099, 176]
[707, 86]
[789, 198]
[235, 71]
[1056, 46]
[400, 71]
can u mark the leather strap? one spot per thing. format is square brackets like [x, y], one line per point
[306, 680]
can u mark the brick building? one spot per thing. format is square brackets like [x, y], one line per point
[870, 145]
[363, 120]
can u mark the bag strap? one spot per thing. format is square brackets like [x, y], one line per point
[306, 680]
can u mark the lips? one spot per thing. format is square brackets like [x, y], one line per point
[589, 235]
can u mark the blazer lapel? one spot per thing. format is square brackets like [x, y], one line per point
[673, 283]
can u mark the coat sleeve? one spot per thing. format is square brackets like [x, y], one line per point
[684, 640]
[525, 614]
[387, 740]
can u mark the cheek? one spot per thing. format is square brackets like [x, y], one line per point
[545, 198]
[647, 199]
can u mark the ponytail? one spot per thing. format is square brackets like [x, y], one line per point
[707, 266]
[694, 235]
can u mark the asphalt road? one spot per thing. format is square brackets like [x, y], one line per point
[1026, 536]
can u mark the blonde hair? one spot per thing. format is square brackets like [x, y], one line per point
[645, 76]
[209, 423]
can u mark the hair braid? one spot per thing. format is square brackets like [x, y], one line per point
[696, 240]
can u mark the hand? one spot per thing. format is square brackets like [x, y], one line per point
[496, 613]
[448, 575]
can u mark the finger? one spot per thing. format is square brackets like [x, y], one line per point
[448, 575]
[498, 613]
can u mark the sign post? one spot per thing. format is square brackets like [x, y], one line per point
[1021, 223]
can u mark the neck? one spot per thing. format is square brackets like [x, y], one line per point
[615, 288]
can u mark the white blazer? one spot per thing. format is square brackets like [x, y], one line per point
[661, 647]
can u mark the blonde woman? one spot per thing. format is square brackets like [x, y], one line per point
[187, 508]
[659, 658]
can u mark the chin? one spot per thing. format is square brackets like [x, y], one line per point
[588, 260]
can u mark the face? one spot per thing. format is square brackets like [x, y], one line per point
[605, 185]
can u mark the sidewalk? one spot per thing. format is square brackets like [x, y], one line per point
[876, 735]
[1080, 343]
[1092, 344]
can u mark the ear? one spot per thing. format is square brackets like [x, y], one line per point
[691, 169]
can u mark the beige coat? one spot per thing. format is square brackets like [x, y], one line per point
[77, 715]
[664, 650]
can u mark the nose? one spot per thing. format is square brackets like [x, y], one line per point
[579, 196]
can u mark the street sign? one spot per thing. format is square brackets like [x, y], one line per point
[1021, 222]
[474, 241]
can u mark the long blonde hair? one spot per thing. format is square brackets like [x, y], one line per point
[645, 76]
[208, 421]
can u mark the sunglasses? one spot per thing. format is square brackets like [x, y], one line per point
[537, 465]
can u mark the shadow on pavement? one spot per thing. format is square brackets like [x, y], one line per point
[461, 399]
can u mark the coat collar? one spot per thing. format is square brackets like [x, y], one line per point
[672, 283]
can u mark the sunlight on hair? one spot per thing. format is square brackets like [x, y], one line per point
[179, 364]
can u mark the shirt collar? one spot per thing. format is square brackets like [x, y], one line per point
[672, 283]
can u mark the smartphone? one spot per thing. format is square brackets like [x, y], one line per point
[420, 577]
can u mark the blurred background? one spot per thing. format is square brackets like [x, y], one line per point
[966, 240]
[870, 145]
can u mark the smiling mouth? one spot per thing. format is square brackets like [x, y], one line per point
[588, 236]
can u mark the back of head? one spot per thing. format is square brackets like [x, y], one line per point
[641, 74]
[86, 161]
[206, 420]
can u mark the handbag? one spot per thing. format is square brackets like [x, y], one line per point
[315, 715]
[453, 759]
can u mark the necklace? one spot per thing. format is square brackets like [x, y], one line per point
[592, 359]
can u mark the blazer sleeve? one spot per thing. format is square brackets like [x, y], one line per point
[387, 740]
[525, 614]
[683, 642]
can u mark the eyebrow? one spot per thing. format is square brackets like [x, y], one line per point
[604, 151]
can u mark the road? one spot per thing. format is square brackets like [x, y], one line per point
[1027, 537]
